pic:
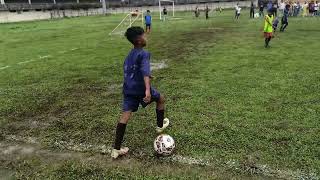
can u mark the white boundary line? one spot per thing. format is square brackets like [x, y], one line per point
[5, 67]
[40, 57]
[44, 57]
[24, 62]
[260, 169]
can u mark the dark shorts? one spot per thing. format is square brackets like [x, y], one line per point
[132, 102]
[268, 34]
[284, 21]
[148, 26]
[274, 27]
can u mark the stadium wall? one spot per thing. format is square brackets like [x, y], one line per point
[42, 5]
[6, 16]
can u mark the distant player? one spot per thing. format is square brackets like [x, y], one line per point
[261, 9]
[137, 89]
[275, 24]
[284, 19]
[165, 13]
[148, 20]
[252, 10]
[238, 9]
[197, 12]
[268, 29]
[207, 12]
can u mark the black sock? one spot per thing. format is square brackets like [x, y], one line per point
[266, 42]
[160, 117]
[121, 128]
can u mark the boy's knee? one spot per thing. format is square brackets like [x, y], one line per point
[161, 99]
[125, 117]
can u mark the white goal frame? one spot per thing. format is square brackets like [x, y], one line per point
[160, 8]
[131, 20]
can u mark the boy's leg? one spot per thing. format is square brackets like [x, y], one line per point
[162, 122]
[267, 40]
[130, 104]
[160, 111]
[121, 128]
[285, 25]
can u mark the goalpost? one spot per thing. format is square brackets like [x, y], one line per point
[127, 22]
[160, 8]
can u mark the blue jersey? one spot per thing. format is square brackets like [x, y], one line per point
[136, 67]
[148, 19]
[275, 23]
[269, 6]
[285, 15]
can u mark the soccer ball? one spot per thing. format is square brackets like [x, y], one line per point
[164, 145]
[256, 15]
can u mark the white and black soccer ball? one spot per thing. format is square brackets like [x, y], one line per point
[164, 145]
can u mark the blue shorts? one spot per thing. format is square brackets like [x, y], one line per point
[132, 102]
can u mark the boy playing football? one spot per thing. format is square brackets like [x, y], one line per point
[148, 20]
[275, 24]
[284, 19]
[268, 28]
[137, 89]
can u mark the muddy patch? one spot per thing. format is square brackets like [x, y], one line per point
[11, 151]
[63, 150]
[6, 174]
[29, 140]
[6, 149]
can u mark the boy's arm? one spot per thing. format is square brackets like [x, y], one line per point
[147, 98]
[146, 72]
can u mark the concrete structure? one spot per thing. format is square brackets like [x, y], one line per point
[6, 16]
[17, 5]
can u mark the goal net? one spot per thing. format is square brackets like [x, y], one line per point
[169, 5]
[131, 19]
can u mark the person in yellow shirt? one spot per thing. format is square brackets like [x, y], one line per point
[305, 9]
[268, 28]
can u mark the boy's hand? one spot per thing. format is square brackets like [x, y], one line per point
[147, 99]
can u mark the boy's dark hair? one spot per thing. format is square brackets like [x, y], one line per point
[148, 11]
[133, 33]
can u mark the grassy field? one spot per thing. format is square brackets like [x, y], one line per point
[237, 110]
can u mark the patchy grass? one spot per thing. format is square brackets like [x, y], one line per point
[246, 110]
